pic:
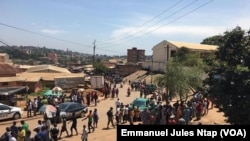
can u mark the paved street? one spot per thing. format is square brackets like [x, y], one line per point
[101, 133]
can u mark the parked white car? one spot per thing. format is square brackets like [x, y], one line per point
[10, 112]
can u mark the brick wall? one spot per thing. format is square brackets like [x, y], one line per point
[127, 69]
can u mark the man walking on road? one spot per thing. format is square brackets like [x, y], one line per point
[90, 121]
[64, 127]
[110, 117]
[74, 124]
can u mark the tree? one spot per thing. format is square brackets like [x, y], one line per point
[182, 54]
[214, 40]
[100, 69]
[182, 73]
[228, 77]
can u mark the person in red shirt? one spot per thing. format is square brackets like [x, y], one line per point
[199, 109]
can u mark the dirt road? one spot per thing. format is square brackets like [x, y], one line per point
[102, 133]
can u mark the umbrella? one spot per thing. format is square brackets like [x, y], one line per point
[80, 90]
[47, 109]
[57, 89]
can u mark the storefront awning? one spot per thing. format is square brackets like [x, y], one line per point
[13, 90]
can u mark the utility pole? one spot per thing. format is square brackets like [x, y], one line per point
[94, 53]
[167, 53]
[167, 90]
[152, 64]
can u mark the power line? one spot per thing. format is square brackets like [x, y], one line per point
[187, 13]
[109, 46]
[143, 29]
[4, 43]
[70, 42]
[51, 37]
[148, 21]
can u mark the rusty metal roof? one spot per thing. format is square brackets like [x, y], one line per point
[6, 69]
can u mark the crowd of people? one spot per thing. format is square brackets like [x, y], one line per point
[48, 131]
[157, 113]
[33, 106]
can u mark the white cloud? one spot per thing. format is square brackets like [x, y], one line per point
[52, 31]
[243, 22]
[130, 32]
[191, 30]
[200, 28]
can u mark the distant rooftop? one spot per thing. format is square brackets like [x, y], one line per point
[47, 68]
[194, 46]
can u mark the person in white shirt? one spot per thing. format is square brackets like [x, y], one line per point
[118, 103]
[74, 98]
[35, 106]
[125, 115]
[12, 137]
[84, 136]
[117, 115]
[40, 125]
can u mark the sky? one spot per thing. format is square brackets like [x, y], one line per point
[113, 26]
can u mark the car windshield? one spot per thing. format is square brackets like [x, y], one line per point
[139, 103]
[4, 107]
[63, 106]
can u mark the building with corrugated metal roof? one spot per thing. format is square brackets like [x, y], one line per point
[164, 50]
[47, 68]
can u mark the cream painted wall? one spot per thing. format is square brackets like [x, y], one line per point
[160, 55]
